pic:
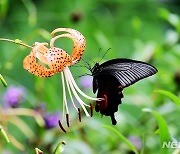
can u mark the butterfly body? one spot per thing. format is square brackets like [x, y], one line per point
[111, 77]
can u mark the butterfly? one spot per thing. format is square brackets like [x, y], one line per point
[111, 77]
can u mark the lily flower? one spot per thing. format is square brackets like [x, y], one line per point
[58, 60]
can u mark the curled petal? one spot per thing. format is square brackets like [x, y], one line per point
[78, 39]
[55, 58]
[39, 50]
[30, 64]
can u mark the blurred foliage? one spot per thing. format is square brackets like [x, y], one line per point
[146, 30]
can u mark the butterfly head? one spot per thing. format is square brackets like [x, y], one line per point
[96, 68]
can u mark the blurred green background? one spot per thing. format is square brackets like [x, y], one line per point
[145, 30]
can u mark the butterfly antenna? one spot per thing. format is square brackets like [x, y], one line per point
[88, 65]
[91, 60]
[99, 51]
[104, 55]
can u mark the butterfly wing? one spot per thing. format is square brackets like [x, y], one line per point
[111, 91]
[127, 71]
[111, 77]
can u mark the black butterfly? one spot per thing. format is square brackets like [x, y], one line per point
[111, 77]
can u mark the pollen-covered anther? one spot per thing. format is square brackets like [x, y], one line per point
[60, 125]
[79, 114]
[67, 120]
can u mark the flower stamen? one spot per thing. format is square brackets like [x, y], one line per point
[60, 125]
[77, 88]
[79, 113]
[64, 93]
[75, 93]
[67, 120]
[70, 94]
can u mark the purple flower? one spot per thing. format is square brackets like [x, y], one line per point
[51, 120]
[86, 81]
[13, 96]
[41, 108]
[136, 141]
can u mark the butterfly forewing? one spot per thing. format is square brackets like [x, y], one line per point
[128, 71]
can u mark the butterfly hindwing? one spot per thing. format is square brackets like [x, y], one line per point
[111, 91]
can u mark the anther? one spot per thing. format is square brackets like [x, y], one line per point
[63, 142]
[67, 119]
[79, 113]
[60, 125]
[92, 108]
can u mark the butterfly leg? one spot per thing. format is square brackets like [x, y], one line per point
[114, 122]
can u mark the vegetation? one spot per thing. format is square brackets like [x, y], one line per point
[145, 30]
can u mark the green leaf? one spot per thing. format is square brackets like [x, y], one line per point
[122, 138]
[157, 131]
[163, 129]
[163, 13]
[3, 81]
[3, 133]
[173, 97]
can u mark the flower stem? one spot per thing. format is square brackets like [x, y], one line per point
[4, 134]
[59, 147]
[25, 112]
[16, 41]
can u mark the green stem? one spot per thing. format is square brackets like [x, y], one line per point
[32, 11]
[4, 134]
[16, 41]
[15, 54]
[59, 148]
[3, 81]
